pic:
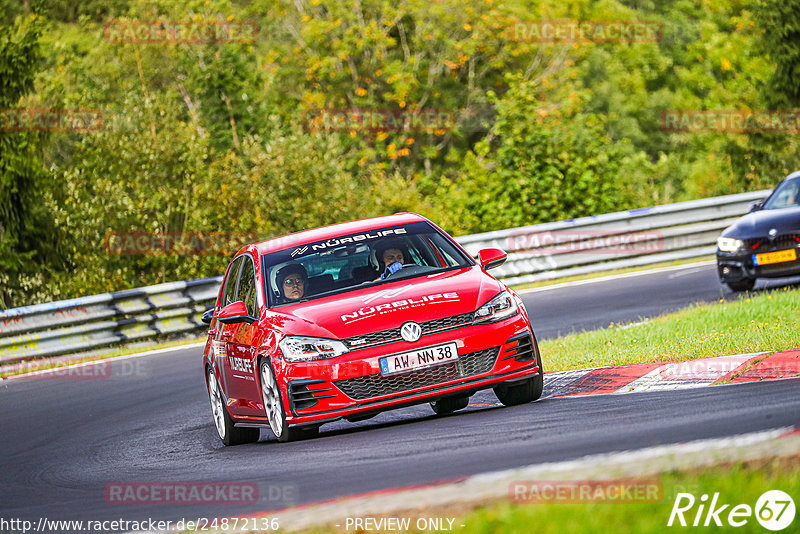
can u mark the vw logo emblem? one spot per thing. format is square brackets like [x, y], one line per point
[773, 233]
[411, 331]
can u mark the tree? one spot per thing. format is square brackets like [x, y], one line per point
[28, 242]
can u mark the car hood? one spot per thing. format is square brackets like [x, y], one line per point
[389, 305]
[759, 223]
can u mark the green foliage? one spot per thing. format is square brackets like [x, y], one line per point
[550, 162]
[780, 23]
[27, 238]
[216, 137]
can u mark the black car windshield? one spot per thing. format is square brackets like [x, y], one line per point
[352, 261]
[787, 195]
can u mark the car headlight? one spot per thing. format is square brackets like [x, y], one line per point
[500, 307]
[304, 349]
[727, 244]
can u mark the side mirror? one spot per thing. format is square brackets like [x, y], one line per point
[490, 258]
[235, 313]
[207, 316]
[755, 206]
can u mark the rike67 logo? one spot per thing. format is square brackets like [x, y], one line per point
[774, 510]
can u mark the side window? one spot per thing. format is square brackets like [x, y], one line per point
[247, 286]
[229, 296]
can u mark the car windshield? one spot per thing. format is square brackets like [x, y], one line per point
[353, 261]
[787, 195]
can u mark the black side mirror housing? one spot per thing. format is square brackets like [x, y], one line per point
[207, 316]
[755, 206]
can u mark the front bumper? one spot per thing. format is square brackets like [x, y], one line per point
[352, 385]
[737, 266]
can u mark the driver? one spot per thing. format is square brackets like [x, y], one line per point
[292, 279]
[391, 254]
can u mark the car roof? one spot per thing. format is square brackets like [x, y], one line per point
[334, 230]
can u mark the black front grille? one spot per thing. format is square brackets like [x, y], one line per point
[371, 338]
[765, 244]
[522, 352]
[376, 385]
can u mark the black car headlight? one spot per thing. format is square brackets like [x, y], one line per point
[305, 349]
[500, 307]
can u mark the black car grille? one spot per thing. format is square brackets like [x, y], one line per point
[376, 385]
[357, 342]
[765, 244]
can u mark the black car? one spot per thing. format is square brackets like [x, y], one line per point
[765, 243]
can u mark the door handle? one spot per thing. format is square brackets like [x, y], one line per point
[227, 333]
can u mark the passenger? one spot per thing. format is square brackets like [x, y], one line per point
[292, 280]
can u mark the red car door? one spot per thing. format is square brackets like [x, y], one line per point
[241, 367]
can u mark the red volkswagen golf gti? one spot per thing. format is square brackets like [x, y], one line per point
[353, 319]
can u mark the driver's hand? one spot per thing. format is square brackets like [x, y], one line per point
[393, 268]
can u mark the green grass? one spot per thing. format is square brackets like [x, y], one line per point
[736, 484]
[753, 323]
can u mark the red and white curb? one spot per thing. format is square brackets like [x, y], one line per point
[674, 375]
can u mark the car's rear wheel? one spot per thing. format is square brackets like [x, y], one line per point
[523, 392]
[449, 404]
[229, 434]
[745, 284]
[271, 395]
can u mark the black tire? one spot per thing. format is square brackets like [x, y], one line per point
[745, 284]
[273, 406]
[449, 405]
[523, 392]
[229, 434]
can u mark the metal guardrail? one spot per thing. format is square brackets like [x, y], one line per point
[614, 240]
[538, 252]
[87, 323]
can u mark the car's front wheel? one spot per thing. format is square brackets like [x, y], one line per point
[526, 391]
[271, 395]
[229, 434]
[745, 284]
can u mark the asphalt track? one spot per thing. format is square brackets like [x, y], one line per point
[63, 441]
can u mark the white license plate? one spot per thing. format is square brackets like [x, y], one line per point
[419, 359]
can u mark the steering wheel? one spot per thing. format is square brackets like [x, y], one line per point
[403, 266]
